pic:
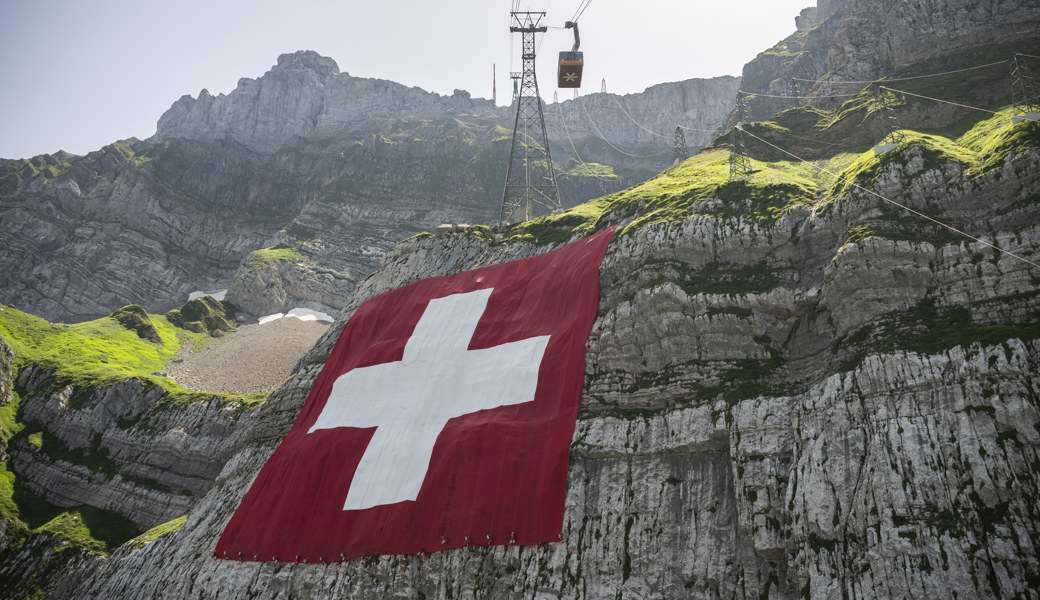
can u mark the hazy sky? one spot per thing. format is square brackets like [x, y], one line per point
[76, 75]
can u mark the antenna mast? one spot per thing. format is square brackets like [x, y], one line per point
[530, 180]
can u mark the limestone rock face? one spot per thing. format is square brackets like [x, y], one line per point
[304, 95]
[877, 38]
[132, 450]
[771, 409]
[841, 45]
[646, 120]
[280, 286]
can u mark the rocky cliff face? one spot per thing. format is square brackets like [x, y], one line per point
[838, 400]
[842, 41]
[306, 96]
[644, 123]
[304, 155]
[879, 38]
[124, 448]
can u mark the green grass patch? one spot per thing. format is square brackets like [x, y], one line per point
[17, 530]
[258, 259]
[134, 318]
[89, 354]
[700, 185]
[84, 527]
[89, 528]
[158, 531]
[982, 148]
[94, 354]
[579, 170]
[203, 315]
[936, 150]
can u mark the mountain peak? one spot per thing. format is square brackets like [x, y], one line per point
[323, 66]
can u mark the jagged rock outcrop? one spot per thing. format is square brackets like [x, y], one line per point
[859, 41]
[781, 408]
[305, 95]
[879, 38]
[280, 285]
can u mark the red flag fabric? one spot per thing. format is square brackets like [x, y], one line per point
[442, 418]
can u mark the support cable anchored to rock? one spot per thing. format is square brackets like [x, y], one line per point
[898, 204]
[872, 81]
[881, 87]
[602, 137]
[795, 97]
[563, 122]
[661, 135]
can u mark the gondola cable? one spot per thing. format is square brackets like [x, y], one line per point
[828, 81]
[893, 202]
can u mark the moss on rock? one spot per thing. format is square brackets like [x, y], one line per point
[134, 318]
[203, 314]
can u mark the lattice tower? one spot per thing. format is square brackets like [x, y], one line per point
[739, 163]
[681, 153]
[889, 130]
[531, 180]
[1024, 91]
[515, 76]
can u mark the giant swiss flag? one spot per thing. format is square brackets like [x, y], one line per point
[442, 418]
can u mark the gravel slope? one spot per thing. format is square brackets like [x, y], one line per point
[252, 359]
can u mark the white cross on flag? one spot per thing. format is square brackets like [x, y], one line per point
[442, 417]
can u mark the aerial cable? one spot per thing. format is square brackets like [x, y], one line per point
[618, 102]
[563, 121]
[789, 134]
[1027, 55]
[688, 128]
[580, 10]
[893, 202]
[906, 78]
[794, 97]
[938, 100]
[602, 137]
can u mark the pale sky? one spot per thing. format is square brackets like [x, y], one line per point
[77, 75]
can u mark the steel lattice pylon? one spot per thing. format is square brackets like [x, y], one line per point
[1023, 92]
[890, 135]
[681, 153]
[530, 180]
[739, 163]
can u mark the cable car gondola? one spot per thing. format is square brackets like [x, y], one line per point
[571, 63]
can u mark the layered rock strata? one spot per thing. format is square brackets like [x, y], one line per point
[772, 409]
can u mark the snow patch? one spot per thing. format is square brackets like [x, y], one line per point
[303, 314]
[306, 314]
[218, 294]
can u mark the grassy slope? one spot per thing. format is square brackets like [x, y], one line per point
[102, 352]
[86, 356]
[701, 184]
